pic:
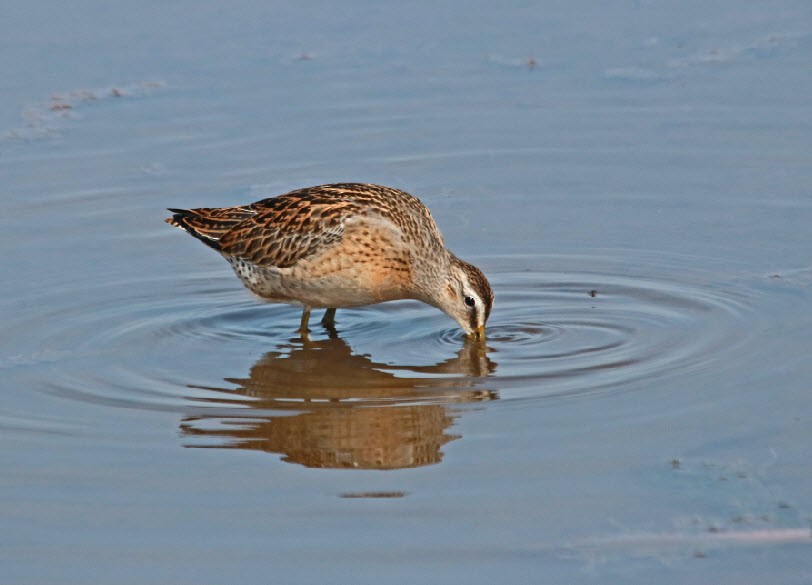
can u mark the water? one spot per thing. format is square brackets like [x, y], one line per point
[635, 183]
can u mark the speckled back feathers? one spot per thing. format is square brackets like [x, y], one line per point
[281, 231]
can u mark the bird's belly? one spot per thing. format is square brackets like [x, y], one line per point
[262, 281]
[328, 282]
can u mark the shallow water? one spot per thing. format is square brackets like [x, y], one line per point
[635, 184]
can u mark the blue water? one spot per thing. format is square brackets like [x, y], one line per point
[161, 425]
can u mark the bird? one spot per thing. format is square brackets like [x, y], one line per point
[342, 245]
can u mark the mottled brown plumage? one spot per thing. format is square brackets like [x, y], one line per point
[342, 245]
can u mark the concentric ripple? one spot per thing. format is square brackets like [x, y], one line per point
[556, 333]
[180, 343]
[596, 331]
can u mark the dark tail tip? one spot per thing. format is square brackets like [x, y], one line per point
[180, 219]
[176, 217]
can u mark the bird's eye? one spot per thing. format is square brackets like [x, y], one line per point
[469, 301]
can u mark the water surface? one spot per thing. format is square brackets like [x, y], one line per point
[633, 180]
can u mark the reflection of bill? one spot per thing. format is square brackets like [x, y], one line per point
[332, 408]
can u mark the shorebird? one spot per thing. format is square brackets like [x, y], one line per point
[342, 245]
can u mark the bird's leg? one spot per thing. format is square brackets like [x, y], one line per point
[305, 318]
[329, 319]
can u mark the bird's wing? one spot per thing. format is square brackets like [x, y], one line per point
[281, 231]
[286, 229]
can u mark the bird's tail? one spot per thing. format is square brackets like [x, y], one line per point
[208, 224]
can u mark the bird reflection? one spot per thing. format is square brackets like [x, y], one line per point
[320, 405]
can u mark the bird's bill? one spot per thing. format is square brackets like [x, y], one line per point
[479, 332]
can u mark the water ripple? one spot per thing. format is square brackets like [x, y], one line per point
[174, 343]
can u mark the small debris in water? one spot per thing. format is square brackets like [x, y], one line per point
[531, 63]
[700, 554]
[353, 495]
[593, 293]
[676, 463]
[84, 95]
[46, 119]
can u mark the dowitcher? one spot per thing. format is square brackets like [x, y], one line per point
[342, 245]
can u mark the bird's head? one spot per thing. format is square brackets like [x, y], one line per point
[466, 296]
